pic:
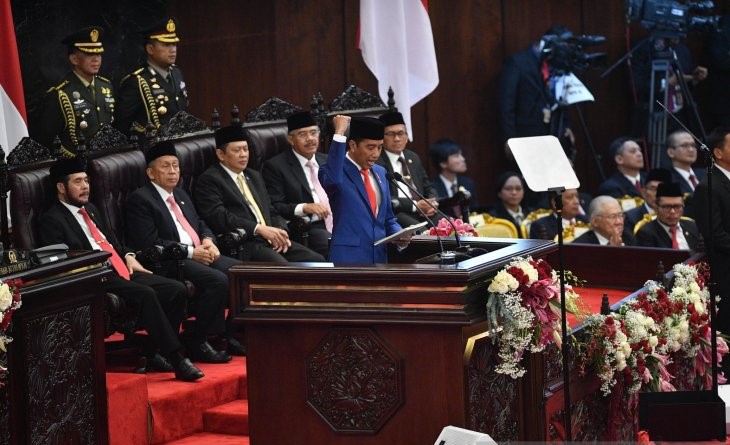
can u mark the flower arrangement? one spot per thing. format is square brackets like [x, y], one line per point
[638, 345]
[524, 301]
[444, 228]
[9, 302]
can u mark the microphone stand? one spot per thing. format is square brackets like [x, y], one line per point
[565, 349]
[710, 244]
[447, 256]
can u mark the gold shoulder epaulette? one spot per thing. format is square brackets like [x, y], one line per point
[134, 73]
[57, 87]
[104, 79]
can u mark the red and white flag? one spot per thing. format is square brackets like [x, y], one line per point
[13, 122]
[397, 45]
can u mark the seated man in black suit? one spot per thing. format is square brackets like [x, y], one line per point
[629, 179]
[547, 227]
[669, 230]
[161, 214]
[653, 179]
[73, 220]
[292, 182]
[396, 158]
[448, 160]
[229, 196]
[607, 224]
[682, 151]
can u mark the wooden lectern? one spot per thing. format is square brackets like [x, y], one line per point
[380, 354]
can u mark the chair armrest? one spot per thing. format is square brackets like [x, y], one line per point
[231, 243]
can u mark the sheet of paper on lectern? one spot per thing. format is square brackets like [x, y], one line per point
[543, 163]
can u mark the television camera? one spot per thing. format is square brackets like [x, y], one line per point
[672, 19]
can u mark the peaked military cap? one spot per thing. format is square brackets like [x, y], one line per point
[164, 31]
[87, 40]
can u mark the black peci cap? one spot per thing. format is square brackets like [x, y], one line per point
[366, 128]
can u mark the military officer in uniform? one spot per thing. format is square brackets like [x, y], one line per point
[84, 101]
[155, 92]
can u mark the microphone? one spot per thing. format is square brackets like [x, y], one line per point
[391, 178]
[395, 176]
[703, 147]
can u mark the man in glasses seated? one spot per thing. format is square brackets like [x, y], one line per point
[607, 224]
[669, 230]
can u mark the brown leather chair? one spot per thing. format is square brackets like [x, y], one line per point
[265, 140]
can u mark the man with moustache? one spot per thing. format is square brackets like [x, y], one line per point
[84, 101]
[358, 192]
[156, 92]
[669, 230]
[292, 181]
[230, 196]
[161, 214]
[397, 158]
[73, 220]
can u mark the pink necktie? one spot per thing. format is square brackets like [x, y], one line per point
[675, 242]
[370, 191]
[321, 194]
[119, 265]
[183, 221]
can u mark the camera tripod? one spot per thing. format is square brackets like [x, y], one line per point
[663, 66]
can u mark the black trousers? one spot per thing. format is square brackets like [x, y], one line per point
[161, 304]
[258, 249]
[211, 299]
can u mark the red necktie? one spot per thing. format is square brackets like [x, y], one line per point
[545, 70]
[119, 266]
[370, 190]
[675, 243]
[183, 221]
[693, 180]
[638, 185]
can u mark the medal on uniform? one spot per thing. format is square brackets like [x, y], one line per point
[83, 125]
[162, 109]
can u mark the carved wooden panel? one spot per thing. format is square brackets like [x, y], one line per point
[589, 421]
[104, 139]
[60, 378]
[271, 110]
[492, 398]
[354, 98]
[354, 380]
[28, 151]
[181, 124]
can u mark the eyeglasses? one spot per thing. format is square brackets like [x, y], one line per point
[687, 146]
[400, 134]
[614, 216]
[671, 207]
[304, 134]
[517, 188]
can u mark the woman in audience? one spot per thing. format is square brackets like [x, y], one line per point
[511, 192]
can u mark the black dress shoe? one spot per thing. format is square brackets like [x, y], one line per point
[187, 372]
[205, 353]
[158, 363]
[235, 347]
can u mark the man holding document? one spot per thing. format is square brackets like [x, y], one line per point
[358, 192]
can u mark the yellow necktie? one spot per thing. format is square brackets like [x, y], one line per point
[243, 185]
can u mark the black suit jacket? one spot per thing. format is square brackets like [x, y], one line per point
[500, 211]
[550, 226]
[719, 232]
[654, 235]
[590, 238]
[287, 183]
[222, 206]
[684, 185]
[634, 215]
[144, 95]
[618, 186]
[150, 223]
[418, 174]
[461, 181]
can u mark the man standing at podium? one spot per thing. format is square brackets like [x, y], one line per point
[161, 302]
[358, 192]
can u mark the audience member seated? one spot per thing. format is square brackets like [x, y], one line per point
[682, 151]
[396, 158]
[292, 182]
[607, 224]
[73, 220]
[510, 193]
[161, 213]
[629, 180]
[669, 230]
[547, 226]
[448, 160]
[653, 179]
[229, 196]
